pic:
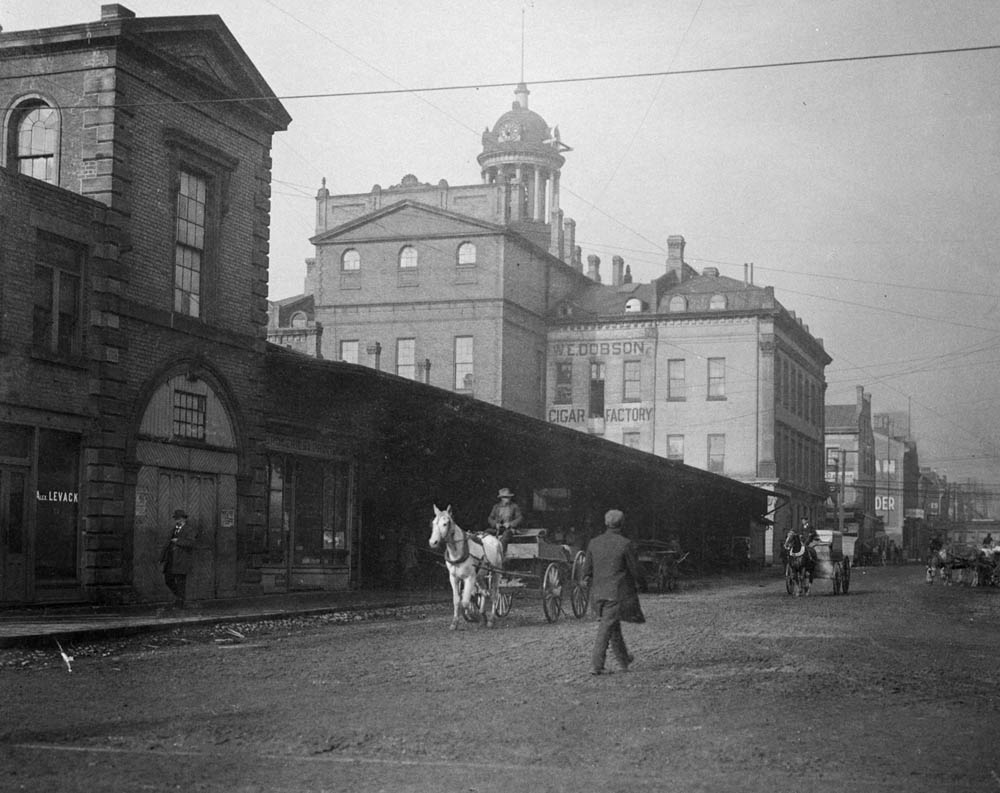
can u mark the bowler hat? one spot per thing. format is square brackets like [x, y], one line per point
[179, 513]
[614, 518]
[505, 492]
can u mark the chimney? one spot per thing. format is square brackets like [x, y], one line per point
[570, 238]
[627, 279]
[594, 268]
[578, 258]
[675, 257]
[617, 270]
[116, 11]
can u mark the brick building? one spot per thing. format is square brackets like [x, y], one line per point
[134, 213]
[482, 290]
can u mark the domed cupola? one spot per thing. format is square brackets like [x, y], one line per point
[522, 150]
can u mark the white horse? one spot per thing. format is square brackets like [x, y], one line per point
[468, 558]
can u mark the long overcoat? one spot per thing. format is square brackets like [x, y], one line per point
[178, 553]
[613, 567]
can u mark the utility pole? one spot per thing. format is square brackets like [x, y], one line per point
[840, 495]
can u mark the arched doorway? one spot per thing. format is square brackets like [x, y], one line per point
[187, 455]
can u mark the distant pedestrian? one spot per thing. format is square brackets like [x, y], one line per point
[612, 571]
[177, 557]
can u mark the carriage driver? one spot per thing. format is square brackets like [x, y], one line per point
[811, 538]
[504, 517]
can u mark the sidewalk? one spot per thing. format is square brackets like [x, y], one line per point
[32, 625]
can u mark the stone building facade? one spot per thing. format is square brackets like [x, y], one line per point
[133, 287]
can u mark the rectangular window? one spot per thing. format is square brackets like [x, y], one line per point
[596, 389]
[464, 369]
[676, 379]
[716, 378]
[189, 251]
[349, 351]
[564, 383]
[716, 453]
[56, 292]
[675, 447]
[631, 386]
[406, 358]
[189, 415]
[630, 439]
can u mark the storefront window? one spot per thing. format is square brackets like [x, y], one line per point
[58, 507]
[308, 502]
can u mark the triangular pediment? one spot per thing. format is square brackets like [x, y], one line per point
[406, 220]
[204, 48]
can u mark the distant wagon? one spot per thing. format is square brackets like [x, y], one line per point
[831, 563]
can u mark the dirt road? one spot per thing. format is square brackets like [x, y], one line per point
[735, 687]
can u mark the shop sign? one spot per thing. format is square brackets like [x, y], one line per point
[593, 348]
[62, 496]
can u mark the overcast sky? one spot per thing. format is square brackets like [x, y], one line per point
[867, 192]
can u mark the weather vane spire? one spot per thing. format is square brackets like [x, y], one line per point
[522, 44]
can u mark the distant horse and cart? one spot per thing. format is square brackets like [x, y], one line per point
[830, 563]
[964, 563]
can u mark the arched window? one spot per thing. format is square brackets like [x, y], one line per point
[633, 305]
[677, 303]
[299, 319]
[717, 303]
[351, 261]
[33, 140]
[408, 258]
[466, 253]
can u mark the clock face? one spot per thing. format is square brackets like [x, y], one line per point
[508, 132]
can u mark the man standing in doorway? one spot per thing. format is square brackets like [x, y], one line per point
[177, 556]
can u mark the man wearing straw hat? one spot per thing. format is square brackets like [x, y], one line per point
[505, 517]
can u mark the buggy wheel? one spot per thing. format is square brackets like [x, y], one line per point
[502, 607]
[552, 592]
[579, 599]
[846, 583]
[789, 580]
[579, 565]
[838, 579]
[476, 604]
[503, 604]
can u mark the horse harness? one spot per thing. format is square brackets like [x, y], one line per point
[464, 544]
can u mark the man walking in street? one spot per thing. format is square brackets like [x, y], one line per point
[176, 557]
[612, 571]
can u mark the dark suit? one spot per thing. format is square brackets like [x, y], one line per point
[613, 570]
[176, 559]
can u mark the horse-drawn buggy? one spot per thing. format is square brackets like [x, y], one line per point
[484, 578]
[962, 562]
[830, 563]
[660, 564]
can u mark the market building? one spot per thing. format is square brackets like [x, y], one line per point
[135, 375]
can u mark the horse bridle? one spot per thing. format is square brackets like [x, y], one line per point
[448, 544]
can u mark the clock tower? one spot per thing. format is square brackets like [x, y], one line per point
[524, 153]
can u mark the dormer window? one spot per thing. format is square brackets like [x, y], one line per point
[677, 303]
[33, 140]
[717, 303]
[299, 319]
[634, 306]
